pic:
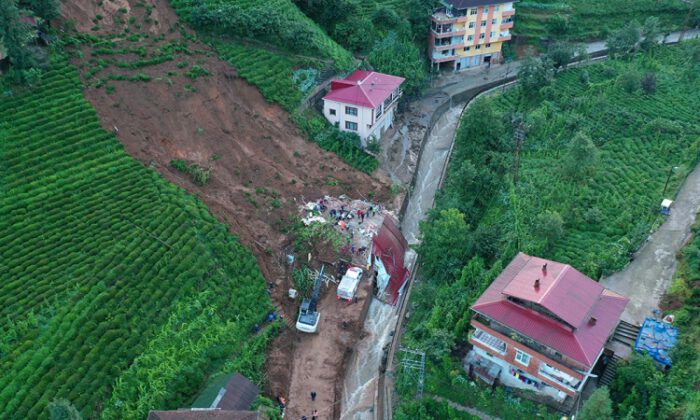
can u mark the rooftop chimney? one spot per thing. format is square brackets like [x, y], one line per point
[537, 283]
[592, 321]
[544, 269]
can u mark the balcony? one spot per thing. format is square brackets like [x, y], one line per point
[559, 377]
[448, 33]
[506, 25]
[439, 57]
[504, 36]
[443, 16]
[508, 12]
[494, 343]
[448, 46]
[528, 342]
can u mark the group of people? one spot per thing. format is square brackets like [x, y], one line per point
[283, 405]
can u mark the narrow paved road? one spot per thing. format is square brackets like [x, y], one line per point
[435, 154]
[646, 279]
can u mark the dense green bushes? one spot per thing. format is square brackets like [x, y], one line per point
[278, 22]
[345, 145]
[108, 270]
[593, 19]
[584, 187]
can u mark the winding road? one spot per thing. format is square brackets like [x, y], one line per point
[644, 280]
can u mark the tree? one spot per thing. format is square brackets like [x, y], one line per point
[631, 81]
[549, 227]
[445, 246]
[598, 406]
[356, 33]
[399, 57]
[561, 54]
[581, 158]
[651, 33]
[534, 74]
[625, 40]
[15, 35]
[649, 83]
[63, 410]
[45, 9]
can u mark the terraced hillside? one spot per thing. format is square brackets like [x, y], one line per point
[592, 19]
[644, 138]
[107, 269]
[279, 22]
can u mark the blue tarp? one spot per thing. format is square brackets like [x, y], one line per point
[657, 338]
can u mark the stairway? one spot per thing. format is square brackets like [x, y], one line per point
[609, 373]
[626, 333]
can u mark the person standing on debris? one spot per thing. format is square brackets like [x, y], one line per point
[314, 415]
[313, 395]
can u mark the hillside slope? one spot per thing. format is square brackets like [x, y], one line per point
[585, 20]
[101, 259]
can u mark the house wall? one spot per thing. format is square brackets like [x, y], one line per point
[366, 126]
[474, 52]
[533, 368]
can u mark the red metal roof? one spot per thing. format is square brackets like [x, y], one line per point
[565, 292]
[390, 245]
[364, 88]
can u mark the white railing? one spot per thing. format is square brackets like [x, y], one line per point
[489, 341]
[556, 375]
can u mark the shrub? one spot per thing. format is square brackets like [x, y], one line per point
[649, 83]
[631, 81]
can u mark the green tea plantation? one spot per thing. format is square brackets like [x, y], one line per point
[119, 291]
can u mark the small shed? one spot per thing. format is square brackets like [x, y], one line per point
[203, 414]
[229, 392]
[666, 206]
[657, 338]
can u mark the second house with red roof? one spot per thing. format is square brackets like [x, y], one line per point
[542, 326]
[363, 103]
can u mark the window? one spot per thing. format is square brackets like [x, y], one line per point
[497, 8]
[470, 38]
[472, 12]
[471, 24]
[350, 110]
[331, 111]
[482, 36]
[351, 125]
[492, 34]
[486, 9]
[483, 23]
[467, 48]
[522, 358]
[478, 47]
[494, 21]
[487, 46]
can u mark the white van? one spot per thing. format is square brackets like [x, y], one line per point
[348, 285]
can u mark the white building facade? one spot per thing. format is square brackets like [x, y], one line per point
[364, 104]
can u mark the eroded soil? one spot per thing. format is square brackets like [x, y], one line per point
[260, 165]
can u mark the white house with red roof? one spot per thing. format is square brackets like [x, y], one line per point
[542, 325]
[363, 103]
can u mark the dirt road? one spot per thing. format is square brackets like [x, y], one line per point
[646, 279]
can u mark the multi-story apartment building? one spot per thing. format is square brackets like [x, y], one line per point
[467, 33]
[363, 103]
[542, 325]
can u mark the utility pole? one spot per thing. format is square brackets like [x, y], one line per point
[668, 178]
[518, 139]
